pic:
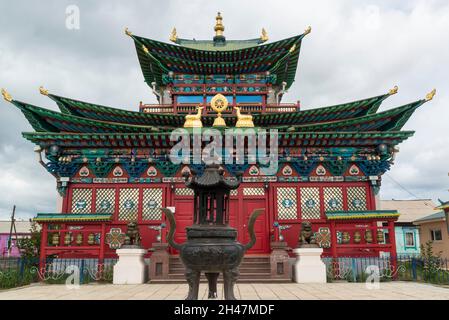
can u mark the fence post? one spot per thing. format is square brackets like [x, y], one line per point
[414, 268]
[82, 272]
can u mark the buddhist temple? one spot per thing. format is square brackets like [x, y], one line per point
[112, 166]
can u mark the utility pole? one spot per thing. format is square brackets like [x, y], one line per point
[13, 226]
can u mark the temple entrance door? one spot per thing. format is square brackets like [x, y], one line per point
[261, 226]
[184, 218]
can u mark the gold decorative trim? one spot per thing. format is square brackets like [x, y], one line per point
[43, 91]
[431, 94]
[292, 48]
[128, 33]
[394, 90]
[243, 120]
[6, 95]
[145, 49]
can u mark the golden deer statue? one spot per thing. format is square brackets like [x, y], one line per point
[194, 120]
[243, 120]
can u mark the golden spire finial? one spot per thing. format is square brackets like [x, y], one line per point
[264, 35]
[308, 30]
[145, 49]
[173, 35]
[6, 95]
[128, 33]
[430, 95]
[219, 27]
[394, 90]
[43, 91]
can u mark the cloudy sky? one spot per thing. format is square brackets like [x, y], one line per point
[357, 49]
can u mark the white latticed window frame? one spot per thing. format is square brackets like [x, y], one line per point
[356, 198]
[333, 199]
[105, 200]
[152, 204]
[81, 200]
[183, 192]
[287, 203]
[253, 191]
[128, 204]
[234, 193]
[310, 203]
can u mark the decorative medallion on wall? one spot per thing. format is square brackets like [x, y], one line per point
[287, 171]
[84, 172]
[152, 204]
[152, 171]
[333, 203]
[288, 203]
[323, 237]
[118, 172]
[253, 171]
[320, 170]
[128, 204]
[105, 205]
[354, 170]
[310, 203]
[115, 238]
[357, 203]
[81, 204]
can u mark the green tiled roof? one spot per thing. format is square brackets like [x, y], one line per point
[157, 58]
[209, 45]
[435, 216]
[61, 217]
[374, 214]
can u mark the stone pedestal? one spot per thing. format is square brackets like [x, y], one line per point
[159, 261]
[309, 268]
[130, 268]
[279, 260]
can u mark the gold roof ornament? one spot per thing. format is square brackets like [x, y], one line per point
[173, 35]
[128, 33]
[430, 95]
[264, 35]
[6, 95]
[43, 91]
[243, 120]
[394, 90]
[219, 27]
[219, 103]
[145, 49]
[194, 120]
[308, 30]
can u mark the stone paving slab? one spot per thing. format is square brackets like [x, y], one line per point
[244, 291]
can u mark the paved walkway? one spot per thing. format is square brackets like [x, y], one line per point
[291, 291]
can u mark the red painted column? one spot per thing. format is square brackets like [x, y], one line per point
[393, 253]
[102, 243]
[333, 239]
[44, 240]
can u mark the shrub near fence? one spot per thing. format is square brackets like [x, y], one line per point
[15, 272]
[405, 268]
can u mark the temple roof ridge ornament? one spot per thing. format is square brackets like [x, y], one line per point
[6, 95]
[308, 30]
[127, 32]
[431, 94]
[173, 36]
[394, 90]
[264, 35]
[219, 27]
[43, 91]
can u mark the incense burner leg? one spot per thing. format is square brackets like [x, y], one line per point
[193, 279]
[229, 279]
[212, 278]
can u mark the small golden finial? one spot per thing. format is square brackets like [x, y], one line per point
[145, 49]
[393, 91]
[430, 95]
[6, 95]
[264, 35]
[292, 48]
[308, 30]
[43, 91]
[128, 33]
[219, 27]
[173, 35]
